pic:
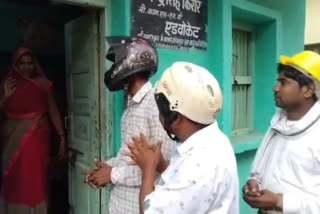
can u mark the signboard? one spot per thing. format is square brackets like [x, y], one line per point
[174, 24]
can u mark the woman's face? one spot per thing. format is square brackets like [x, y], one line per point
[26, 65]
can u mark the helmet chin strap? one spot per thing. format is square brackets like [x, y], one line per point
[125, 86]
[171, 135]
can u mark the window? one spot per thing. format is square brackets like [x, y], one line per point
[242, 95]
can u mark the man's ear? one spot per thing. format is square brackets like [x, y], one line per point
[176, 119]
[309, 90]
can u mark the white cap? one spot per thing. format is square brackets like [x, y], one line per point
[192, 91]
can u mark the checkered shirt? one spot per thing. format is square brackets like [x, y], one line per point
[140, 116]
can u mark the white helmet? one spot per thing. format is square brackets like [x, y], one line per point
[192, 91]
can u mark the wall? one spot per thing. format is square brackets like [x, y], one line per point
[244, 160]
[293, 14]
[278, 28]
[312, 31]
[213, 59]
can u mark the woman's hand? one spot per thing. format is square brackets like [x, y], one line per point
[9, 87]
[62, 148]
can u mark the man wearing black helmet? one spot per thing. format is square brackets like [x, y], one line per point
[134, 60]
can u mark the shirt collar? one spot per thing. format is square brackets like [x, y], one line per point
[280, 122]
[196, 139]
[143, 91]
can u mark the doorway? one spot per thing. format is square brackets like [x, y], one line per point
[55, 34]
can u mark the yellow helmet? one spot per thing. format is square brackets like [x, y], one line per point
[307, 62]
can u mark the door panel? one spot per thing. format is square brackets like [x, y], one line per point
[83, 100]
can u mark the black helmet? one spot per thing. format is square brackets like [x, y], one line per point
[130, 55]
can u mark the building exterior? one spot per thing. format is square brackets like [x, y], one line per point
[244, 42]
[244, 39]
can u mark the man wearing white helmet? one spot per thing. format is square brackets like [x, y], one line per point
[202, 174]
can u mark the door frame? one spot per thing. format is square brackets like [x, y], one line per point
[106, 105]
[84, 3]
[105, 96]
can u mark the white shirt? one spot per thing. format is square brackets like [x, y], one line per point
[201, 178]
[292, 165]
[140, 116]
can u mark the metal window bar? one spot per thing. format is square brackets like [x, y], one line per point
[242, 82]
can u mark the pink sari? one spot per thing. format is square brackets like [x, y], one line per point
[25, 138]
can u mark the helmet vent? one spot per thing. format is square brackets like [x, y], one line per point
[175, 106]
[188, 68]
[210, 90]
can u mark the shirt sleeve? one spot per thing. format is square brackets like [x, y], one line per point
[126, 175]
[122, 173]
[130, 175]
[110, 162]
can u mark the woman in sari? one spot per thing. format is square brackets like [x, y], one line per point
[27, 102]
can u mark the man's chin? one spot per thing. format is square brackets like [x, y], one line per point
[278, 104]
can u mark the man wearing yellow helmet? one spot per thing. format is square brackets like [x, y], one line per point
[285, 176]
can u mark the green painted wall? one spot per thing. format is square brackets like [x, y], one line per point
[119, 13]
[293, 16]
[244, 160]
[213, 59]
[278, 28]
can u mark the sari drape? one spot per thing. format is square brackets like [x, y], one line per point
[25, 134]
